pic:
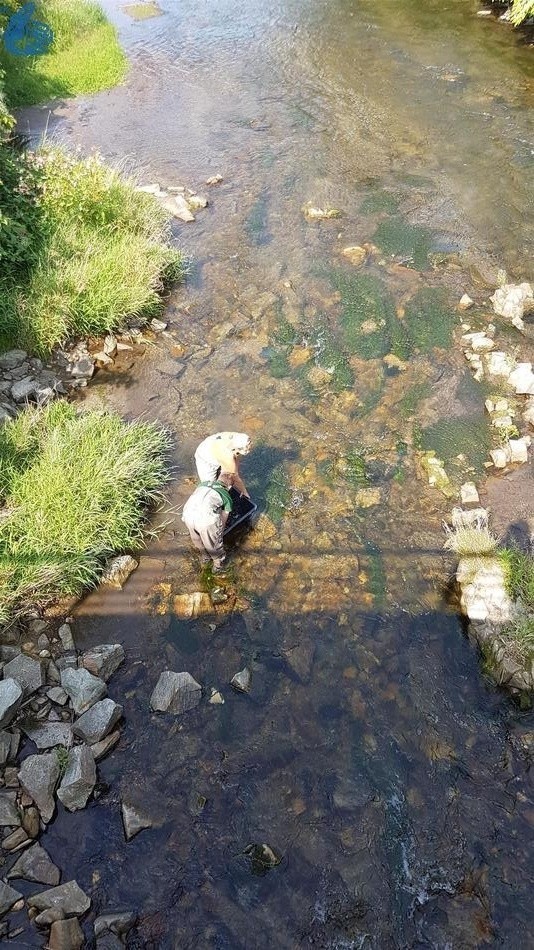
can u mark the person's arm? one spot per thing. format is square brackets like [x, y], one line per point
[230, 467]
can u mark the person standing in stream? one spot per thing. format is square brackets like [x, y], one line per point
[205, 514]
[217, 458]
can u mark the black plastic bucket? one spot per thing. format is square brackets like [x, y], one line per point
[243, 510]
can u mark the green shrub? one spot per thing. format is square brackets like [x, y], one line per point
[21, 214]
[519, 573]
[84, 58]
[75, 489]
[104, 257]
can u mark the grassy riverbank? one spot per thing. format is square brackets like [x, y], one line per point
[85, 55]
[74, 488]
[82, 251]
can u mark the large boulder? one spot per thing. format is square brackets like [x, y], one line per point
[79, 779]
[67, 897]
[98, 721]
[103, 660]
[39, 775]
[28, 673]
[483, 590]
[36, 865]
[10, 700]
[83, 689]
[175, 693]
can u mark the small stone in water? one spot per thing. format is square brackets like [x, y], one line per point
[214, 180]
[242, 681]
[465, 302]
[469, 494]
[216, 698]
[263, 857]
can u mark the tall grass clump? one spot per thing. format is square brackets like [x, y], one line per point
[75, 489]
[85, 55]
[521, 10]
[476, 541]
[519, 574]
[99, 255]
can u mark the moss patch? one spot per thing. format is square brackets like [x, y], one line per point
[278, 494]
[429, 320]
[368, 314]
[379, 201]
[141, 11]
[330, 357]
[409, 403]
[397, 237]
[467, 436]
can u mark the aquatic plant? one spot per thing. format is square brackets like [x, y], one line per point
[278, 364]
[397, 237]
[330, 357]
[278, 494]
[284, 333]
[75, 487]
[85, 55]
[428, 320]
[379, 201]
[103, 255]
[354, 468]
[256, 222]
[367, 315]
[374, 568]
[462, 436]
[408, 404]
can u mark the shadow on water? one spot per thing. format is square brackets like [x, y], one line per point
[384, 772]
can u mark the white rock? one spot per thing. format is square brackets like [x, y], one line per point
[528, 414]
[479, 342]
[465, 302]
[522, 379]
[216, 698]
[473, 518]
[519, 449]
[214, 180]
[197, 202]
[149, 189]
[178, 207]
[499, 364]
[510, 300]
[490, 406]
[318, 214]
[118, 571]
[469, 494]
[500, 457]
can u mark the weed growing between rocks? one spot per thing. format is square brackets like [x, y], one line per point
[96, 255]
[84, 57]
[75, 489]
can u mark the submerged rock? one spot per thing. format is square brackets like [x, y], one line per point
[242, 681]
[119, 924]
[66, 935]
[262, 857]
[10, 700]
[36, 865]
[8, 897]
[175, 693]
[39, 775]
[67, 897]
[100, 719]
[103, 660]
[83, 688]
[79, 779]
[118, 570]
[189, 606]
[300, 659]
[355, 254]
[134, 821]
[318, 214]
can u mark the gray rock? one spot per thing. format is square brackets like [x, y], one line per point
[175, 693]
[50, 735]
[10, 700]
[52, 674]
[23, 389]
[8, 653]
[98, 720]
[47, 917]
[134, 821]
[39, 776]
[66, 935]
[67, 897]
[30, 821]
[79, 779]
[83, 689]
[118, 924]
[300, 659]
[242, 681]
[27, 672]
[58, 695]
[8, 897]
[101, 749]
[9, 813]
[43, 643]
[16, 840]
[109, 941]
[82, 369]
[352, 793]
[103, 660]
[65, 635]
[37, 626]
[12, 358]
[5, 745]
[36, 865]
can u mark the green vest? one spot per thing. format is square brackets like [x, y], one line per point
[223, 493]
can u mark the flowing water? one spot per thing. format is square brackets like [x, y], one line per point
[388, 774]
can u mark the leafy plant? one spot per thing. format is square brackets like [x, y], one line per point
[519, 573]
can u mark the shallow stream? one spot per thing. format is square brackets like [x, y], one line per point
[372, 754]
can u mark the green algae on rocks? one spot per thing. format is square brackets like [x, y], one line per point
[396, 237]
[465, 437]
[368, 313]
[429, 320]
